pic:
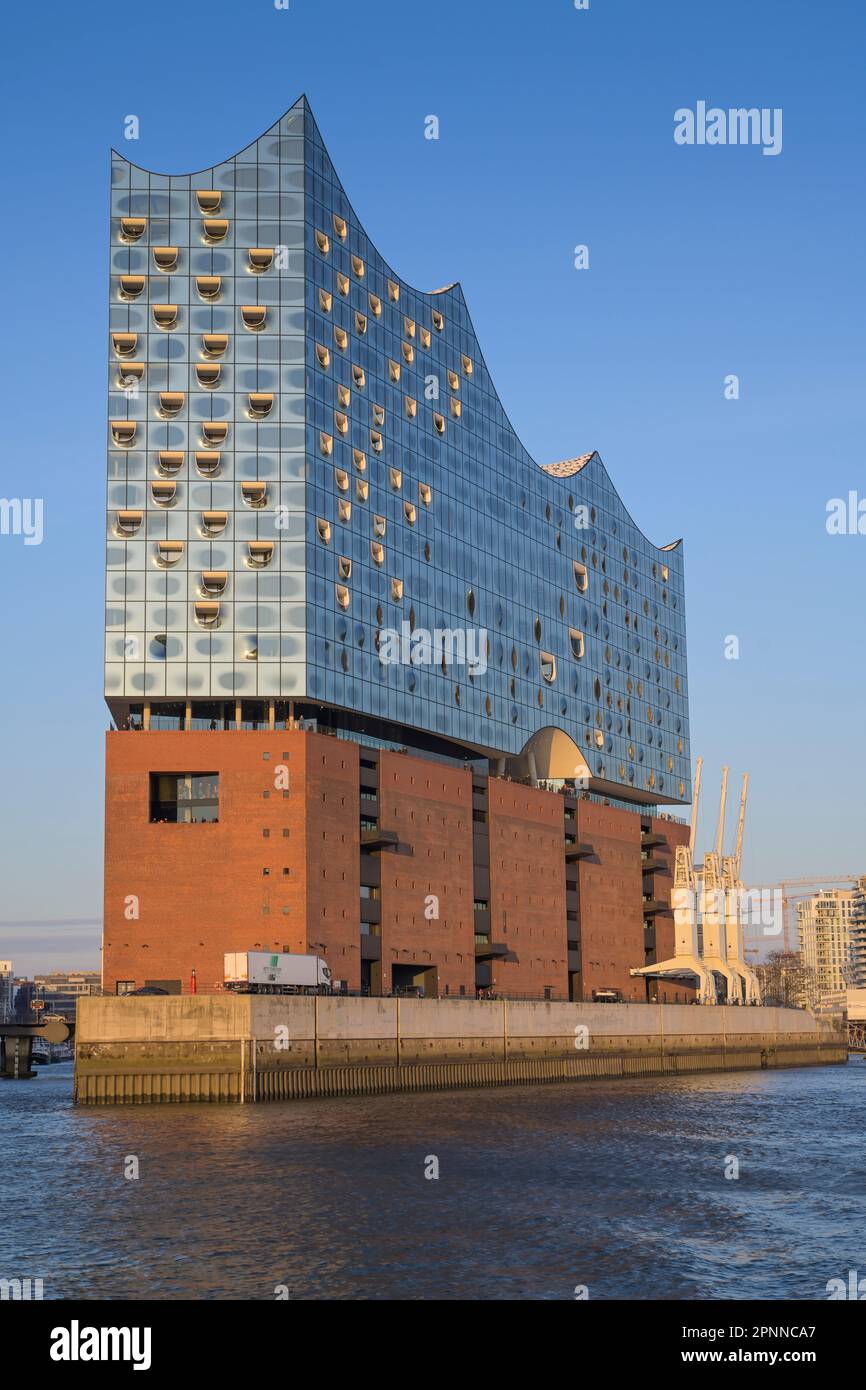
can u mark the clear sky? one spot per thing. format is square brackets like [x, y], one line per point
[556, 129]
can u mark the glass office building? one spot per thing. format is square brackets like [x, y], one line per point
[318, 509]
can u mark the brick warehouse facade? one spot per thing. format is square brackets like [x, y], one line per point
[404, 872]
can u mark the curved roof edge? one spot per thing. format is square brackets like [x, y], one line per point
[565, 468]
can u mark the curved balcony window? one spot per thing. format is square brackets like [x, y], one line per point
[213, 523]
[344, 510]
[323, 355]
[467, 365]
[207, 613]
[408, 352]
[341, 338]
[342, 283]
[259, 554]
[411, 407]
[124, 344]
[165, 315]
[341, 478]
[208, 286]
[344, 396]
[168, 553]
[425, 338]
[360, 324]
[163, 492]
[127, 523]
[581, 576]
[326, 444]
[375, 305]
[130, 372]
[340, 227]
[438, 423]
[378, 415]
[362, 489]
[425, 492]
[377, 551]
[170, 403]
[261, 258]
[326, 300]
[344, 567]
[453, 381]
[359, 377]
[214, 344]
[165, 257]
[397, 590]
[323, 242]
[208, 462]
[323, 529]
[410, 513]
[358, 267]
[395, 478]
[170, 462]
[380, 525]
[254, 316]
[123, 432]
[214, 431]
[208, 199]
[132, 228]
[213, 582]
[255, 494]
[547, 662]
[342, 595]
[341, 422]
[409, 327]
[393, 291]
[576, 642]
[359, 459]
[438, 321]
[131, 286]
[215, 230]
[207, 374]
[376, 441]
[261, 403]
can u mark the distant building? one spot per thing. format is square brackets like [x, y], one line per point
[832, 926]
[7, 990]
[62, 990]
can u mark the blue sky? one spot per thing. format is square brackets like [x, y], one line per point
[556, 129]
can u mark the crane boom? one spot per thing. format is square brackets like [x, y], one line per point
[720, 830]
[741, 824]
[695, 803]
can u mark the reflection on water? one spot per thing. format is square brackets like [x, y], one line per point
[616, 1185]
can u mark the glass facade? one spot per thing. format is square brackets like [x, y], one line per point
[398, 503]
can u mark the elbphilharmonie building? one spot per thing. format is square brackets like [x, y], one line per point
[321, 522]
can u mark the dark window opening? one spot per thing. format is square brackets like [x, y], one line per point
[184, 798]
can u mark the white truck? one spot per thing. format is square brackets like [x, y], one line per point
[261, 972]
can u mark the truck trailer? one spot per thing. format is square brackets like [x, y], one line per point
[261, 972]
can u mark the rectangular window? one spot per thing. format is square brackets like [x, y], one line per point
[184, 798]
[124, 986]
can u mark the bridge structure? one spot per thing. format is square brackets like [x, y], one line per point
[857, 1035]
[16, 1046]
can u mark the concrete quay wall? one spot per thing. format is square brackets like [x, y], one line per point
[230, 1047]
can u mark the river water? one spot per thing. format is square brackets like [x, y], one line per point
[616, 1186]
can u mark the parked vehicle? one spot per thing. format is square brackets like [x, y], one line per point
[260, 972]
